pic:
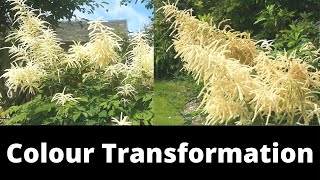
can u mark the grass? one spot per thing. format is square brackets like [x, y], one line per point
[170, 100]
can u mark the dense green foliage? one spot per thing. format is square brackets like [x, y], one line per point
[98, 103]
[148, 3]
[166, 65]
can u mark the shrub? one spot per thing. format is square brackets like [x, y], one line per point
[91, 84]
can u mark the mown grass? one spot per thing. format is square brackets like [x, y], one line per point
[171, 97]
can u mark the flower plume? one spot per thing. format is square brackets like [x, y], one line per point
[243, 83]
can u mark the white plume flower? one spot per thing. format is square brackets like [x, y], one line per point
[122, 121]
[63, 98]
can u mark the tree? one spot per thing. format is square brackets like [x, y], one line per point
[149, 3]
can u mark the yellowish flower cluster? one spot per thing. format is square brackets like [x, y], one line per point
[26, 78]
[103, 44]
[141, 59]
[242, 83]
[36, 42]
[36, 50]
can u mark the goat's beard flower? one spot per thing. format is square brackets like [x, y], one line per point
[36, 41]
[115, 70]
[241, 81]
[126, 90]
[122, 121]
[103, 44]
[63, 98]
[26, 78]
[141, 59]
[38, 57]
[77, 55]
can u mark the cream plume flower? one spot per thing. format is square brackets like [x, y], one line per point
[122, 121]
[126, 90]
[63, 98]
[141, 59]
[103, 44]
[240, 80]
[26, 78]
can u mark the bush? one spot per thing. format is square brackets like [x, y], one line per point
[106, 88]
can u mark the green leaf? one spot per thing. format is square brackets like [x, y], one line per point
[103, 114]
[76, 116]
[16, 119]
[147, 97]
[44, 108]
[232, 7]
[116, 104]
[144, 115]
[83, 99]
[195, 113]
[80, 108]
[91, 122]
[48, 121]
[12, 110]
[308, 53]
[135, 123]
[93, 110]
[111, 113]
[259, 20]
[291, 43]
[85, 114]
[105, 105]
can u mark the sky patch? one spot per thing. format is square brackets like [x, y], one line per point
[136, 14]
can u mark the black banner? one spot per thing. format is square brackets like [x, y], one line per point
[165, 148]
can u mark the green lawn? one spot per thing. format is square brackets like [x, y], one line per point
[170, 100]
